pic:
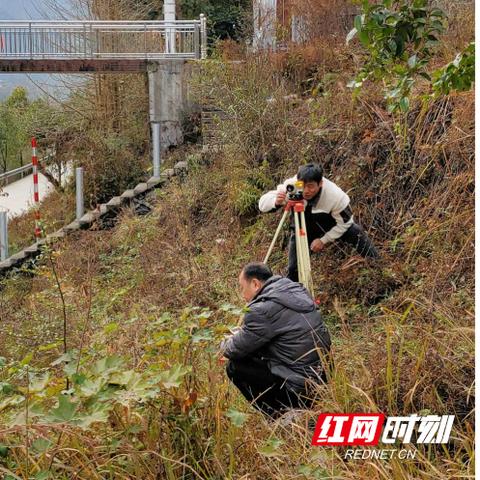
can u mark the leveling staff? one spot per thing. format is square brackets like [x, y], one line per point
[328, 215]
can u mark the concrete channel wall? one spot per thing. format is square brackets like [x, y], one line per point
[110, 209]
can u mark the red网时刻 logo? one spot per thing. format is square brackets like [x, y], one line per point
[365, 429]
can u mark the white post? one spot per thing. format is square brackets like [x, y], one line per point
[79, 191]
[203, 36]
[169, 15]
[156, 148]
[3, 234]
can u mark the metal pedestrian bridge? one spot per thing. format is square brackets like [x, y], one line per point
[73, 46]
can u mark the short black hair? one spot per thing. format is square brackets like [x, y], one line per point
[311, 172]
[257, 270]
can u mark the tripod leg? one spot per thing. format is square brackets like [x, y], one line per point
[299, 246]
[308, 281]
[277, 232]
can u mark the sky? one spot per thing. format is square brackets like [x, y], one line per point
[19, 9]
[24, 10]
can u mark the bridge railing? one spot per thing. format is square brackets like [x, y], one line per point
[35, 40]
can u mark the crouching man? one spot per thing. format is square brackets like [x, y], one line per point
[279, 348]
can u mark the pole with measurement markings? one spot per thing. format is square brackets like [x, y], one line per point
[36, 197]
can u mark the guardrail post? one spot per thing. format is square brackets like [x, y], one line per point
[79, 191]
[30, 41]
[145, 41]
[3, 234]
[156, 148]
[196, 40]
[203, 36]
[84, 41]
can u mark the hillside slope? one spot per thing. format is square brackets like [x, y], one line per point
[141, 308]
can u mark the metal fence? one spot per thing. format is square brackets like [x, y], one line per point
[11, 176]
[103, 40]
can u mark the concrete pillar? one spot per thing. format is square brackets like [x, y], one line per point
[167, 100]
[265, 24]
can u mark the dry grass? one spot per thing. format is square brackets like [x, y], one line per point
[402, 329]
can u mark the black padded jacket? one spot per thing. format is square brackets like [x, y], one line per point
[283, 327]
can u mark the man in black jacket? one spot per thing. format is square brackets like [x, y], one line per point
[279, 346]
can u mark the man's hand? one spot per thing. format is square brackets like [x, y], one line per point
[317, 246]
[280, 200]
[221, 358]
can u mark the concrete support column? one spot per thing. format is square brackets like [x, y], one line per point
[167, 100]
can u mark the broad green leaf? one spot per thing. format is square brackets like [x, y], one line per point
[66, 357]
[13, 401]
[412, 61]
[173, 377]
[202, 335]
[237, 418]
[11, 476]
[358, 22]
[3, 451]
[39, 383]
[64, 412]
[78, 378]
[43, 475]
[436, 12]
[271, 447]
[405, 104]
[91, 387]
[6, 388]
[70, 368]
[41, 445]
[392, 45]
[98, 415]
[134, 386]
[128, 377]
[108, 364]
[364, 38]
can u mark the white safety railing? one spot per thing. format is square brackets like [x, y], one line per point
[11, 176]
[103, 40]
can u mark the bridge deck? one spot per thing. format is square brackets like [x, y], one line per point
[77, 65]
[98, 46]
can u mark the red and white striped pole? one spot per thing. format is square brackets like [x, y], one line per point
[36, 196]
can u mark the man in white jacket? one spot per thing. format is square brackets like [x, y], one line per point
[328, 215]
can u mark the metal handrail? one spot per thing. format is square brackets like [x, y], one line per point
[98, 39]
[20, 171]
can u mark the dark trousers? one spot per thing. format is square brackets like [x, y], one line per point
[265, 391]
[354, 236]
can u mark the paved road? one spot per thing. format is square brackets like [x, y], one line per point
[18, 196]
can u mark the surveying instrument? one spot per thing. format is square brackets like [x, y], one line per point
[295, 204]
